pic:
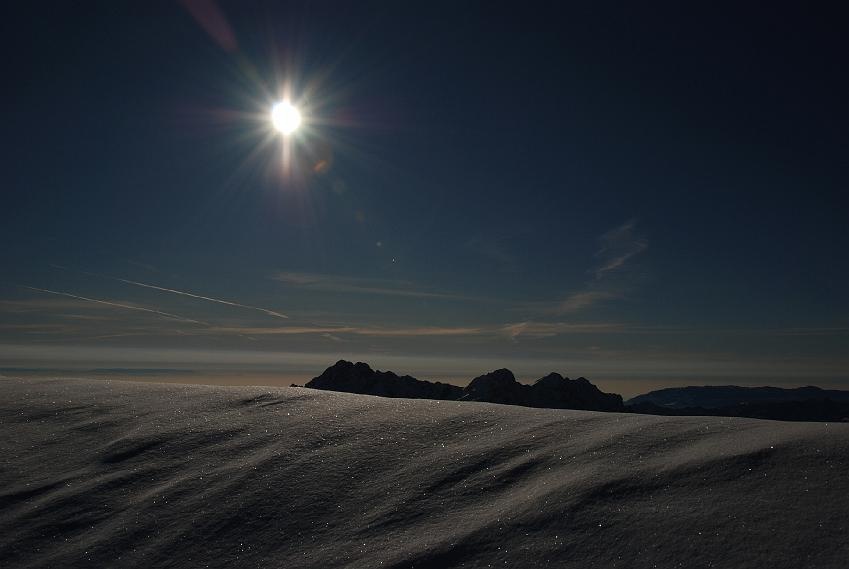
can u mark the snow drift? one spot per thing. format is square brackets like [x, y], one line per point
[115, 474]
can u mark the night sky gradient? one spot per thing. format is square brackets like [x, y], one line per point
[646, 194]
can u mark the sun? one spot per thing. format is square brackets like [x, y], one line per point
[285, 117]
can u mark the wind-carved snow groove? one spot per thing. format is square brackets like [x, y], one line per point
[14, 496]
[486, 478]
[486, 475]
[129, 448]
[268, 399]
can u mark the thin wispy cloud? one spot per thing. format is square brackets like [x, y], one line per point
[613, 275]
[532, 329]
[423, 331]
[618, 246]
[527, 329]
[355, 330]
[117, 305]
[585, 299]
[537, 329]
[278, 330]
[38, 328]
[358, 285]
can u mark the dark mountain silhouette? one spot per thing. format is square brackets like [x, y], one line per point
[557, 392]
[552, 391]
[799, 404]
[727, 396]
[500, 386]
[360, 378]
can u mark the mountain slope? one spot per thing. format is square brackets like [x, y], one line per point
[719, 396]
[113, 474]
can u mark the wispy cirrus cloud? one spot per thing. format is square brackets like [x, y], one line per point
[401, 331]
[37, 328]
[612, 276]
[360, 285]
[527, 329]
[585, 299]
[533, 329]
[537, 329]
[423, 331]
[618, 246]
[276, 330]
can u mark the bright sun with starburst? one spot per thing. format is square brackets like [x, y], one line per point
[285, 117]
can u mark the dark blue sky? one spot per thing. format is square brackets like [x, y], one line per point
[639, 193]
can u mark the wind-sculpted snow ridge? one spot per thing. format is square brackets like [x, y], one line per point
[115, 474]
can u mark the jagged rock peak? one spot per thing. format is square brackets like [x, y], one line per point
[499, 376]
[499, 386]
[361, 378]
[551, 380]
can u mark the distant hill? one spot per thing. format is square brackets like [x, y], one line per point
[724, 396]
[500, 386]
[800, 404]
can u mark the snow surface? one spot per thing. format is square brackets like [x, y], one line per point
[117, 474]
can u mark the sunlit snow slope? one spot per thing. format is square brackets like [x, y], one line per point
[116, 474]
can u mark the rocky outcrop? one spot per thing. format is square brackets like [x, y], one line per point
[360, 378]
[552, 391]
[499, 386]
[560, 392]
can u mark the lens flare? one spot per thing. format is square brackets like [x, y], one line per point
[285, 117]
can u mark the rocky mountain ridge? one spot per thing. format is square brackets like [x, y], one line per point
[500, 386]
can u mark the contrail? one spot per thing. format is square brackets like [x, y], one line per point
[180, 292]
[118, 305]
[218, 300]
